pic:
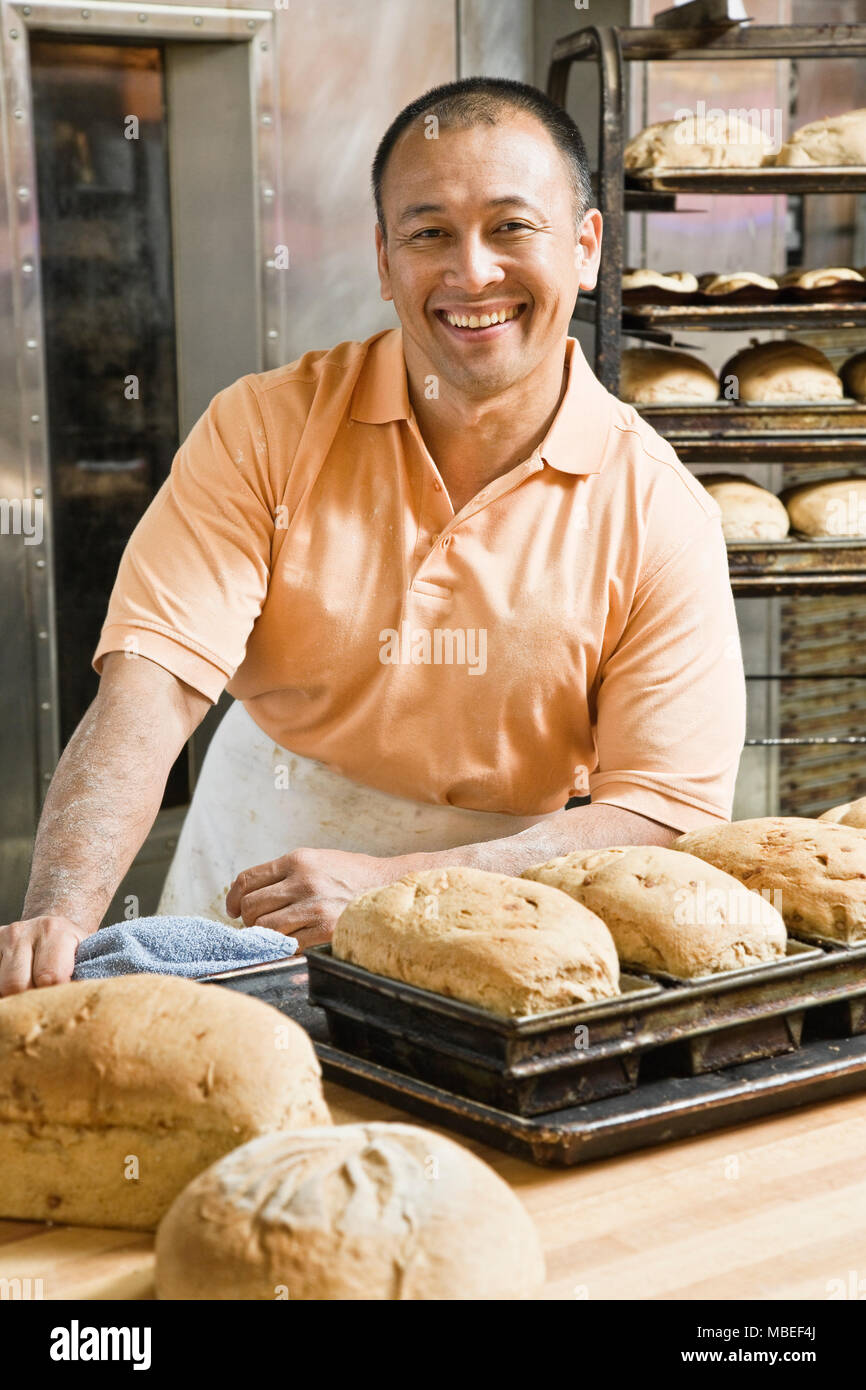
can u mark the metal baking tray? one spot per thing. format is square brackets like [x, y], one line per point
[540, 1062]
[848, 179]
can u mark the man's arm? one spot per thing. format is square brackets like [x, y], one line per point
[302, 894]
[101, 804]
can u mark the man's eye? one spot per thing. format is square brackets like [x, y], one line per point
[518, 226]
[426, 234]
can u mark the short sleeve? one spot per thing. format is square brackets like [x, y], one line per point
[671, 706]
[194, 575]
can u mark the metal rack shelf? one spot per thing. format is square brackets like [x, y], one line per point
[736, 182]
[727, 432]
[642, 319]
[760, 568]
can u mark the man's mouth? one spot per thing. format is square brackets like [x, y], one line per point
[482, 322]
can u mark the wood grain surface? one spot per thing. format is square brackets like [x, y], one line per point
[773, 1209]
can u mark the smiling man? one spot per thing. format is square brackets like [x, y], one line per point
[450, 581]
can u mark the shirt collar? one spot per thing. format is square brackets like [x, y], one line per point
[574, 443]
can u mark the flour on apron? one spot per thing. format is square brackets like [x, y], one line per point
[255, 801]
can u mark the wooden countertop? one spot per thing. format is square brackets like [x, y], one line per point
[771, 1209]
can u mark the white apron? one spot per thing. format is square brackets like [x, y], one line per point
[255, 801]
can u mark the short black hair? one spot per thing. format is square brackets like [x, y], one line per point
[482, 101]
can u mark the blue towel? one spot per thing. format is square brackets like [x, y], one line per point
[190, 946]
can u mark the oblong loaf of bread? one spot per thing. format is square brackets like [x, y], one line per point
[352, 1212]
[668, 911]
[818, 868]
[115, 1093]
[749, 512]
[665, 376]
[782, 371]
[835, 508]
[851, 813]
[506, 945]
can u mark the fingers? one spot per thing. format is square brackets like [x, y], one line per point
[16, 959]
[54, 955]
[309, 923]
[251, 880]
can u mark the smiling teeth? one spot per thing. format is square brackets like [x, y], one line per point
[473, 321]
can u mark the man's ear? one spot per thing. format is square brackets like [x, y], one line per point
[587, 253]
[382, 264]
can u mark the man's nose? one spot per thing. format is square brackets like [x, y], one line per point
[472, 265]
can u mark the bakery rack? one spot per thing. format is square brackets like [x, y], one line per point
[726, 433]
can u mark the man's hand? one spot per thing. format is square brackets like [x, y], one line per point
[302, 894]
[40, 951]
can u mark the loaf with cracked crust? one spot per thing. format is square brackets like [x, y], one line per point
[669, 912]
[850, 813]
[115, 1093]
[818, 868]
[353, 1212]
[504, 944]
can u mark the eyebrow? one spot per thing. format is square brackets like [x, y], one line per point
[512, 199]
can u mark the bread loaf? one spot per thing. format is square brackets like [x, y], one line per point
[663, 376]
[851, 813]
[722, 141]
[780, 372]
[736, 280]
[819, 279]
[115, 1093]
[669, 912]
[503, 944]
[828, 143]
[353, 1212]
[678, 281]
[817, 868]
[749, 512]
[853, 376]
[833, 509]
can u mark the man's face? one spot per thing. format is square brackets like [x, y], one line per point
[481, 222]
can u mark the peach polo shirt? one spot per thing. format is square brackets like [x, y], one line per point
[572, 629]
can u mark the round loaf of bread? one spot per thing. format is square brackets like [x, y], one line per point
[722, 141]
[498, 942]
[669, 912]
[664, 376]
[851, 813]
[780, 372]
[819, 279]
[818, 869]
[853, 376]
[352, 1212]
[749, 512]
[834, 509]
[736, 280]
[827, 144]
[678, 281]
[114, 1093]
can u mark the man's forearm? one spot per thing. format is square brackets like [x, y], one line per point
[106, 792]
[583, 828]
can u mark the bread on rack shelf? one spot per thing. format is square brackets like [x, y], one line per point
[834, 142]
[851, 813]
[735, 280]
[853, 374]
[749, 512]
[820, 279]
[664, 376]
[715, 141]
[782, 372]
[678, 281]
[831, 510]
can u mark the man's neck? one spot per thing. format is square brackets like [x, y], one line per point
[474, 442]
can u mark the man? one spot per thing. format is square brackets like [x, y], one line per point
[450, 581]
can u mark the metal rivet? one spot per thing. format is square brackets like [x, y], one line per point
[22, 193]
[40, 564]
[38, 491]
[251, 24]
[42, 635]
[18, 114]
[27, 267]
[26, 10]
[272, 333]
[264, 47]
[142, 19]
[46, 704]
[13, 33]
[34, 419]
[46, 776]
[266, 120]
[267, 193]
[269, 265]
[170, 844]
[32, 344]
[85, 14]
[198, 19]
